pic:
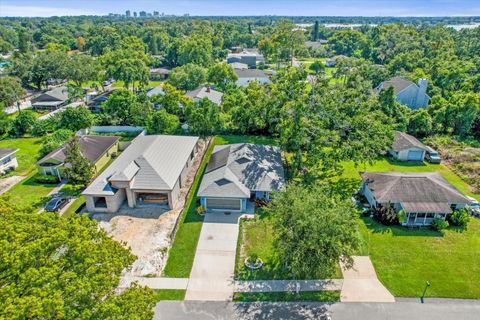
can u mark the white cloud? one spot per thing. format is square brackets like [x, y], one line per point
[34, 11]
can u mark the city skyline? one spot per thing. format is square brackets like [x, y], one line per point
[47, 8]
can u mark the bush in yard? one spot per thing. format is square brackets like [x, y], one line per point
[439, 224]
[313, 229]
[23, 123]
[459, 218]
[78, 169]
[40, 178]
[385, 214]
[200, 210]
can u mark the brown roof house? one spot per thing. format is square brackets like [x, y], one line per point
[407, 93]
[98, 150]
[407, 148]
[423, 196]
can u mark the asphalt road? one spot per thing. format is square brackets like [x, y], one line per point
[439, 309]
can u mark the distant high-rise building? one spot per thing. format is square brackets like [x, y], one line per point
[155, 13]
[135, 14]
[128, 13]
[143, 14]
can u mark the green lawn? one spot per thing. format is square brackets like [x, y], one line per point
[30, 193]
[182, 252]
[169, 294]
[228, 139]
[72, 209]
[317, 296]
[256, 237]
[404, 259]
[387, 165]
[28, 154]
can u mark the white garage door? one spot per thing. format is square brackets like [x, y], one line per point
[415, 155]
[224, 204]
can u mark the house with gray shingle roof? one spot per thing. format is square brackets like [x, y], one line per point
[237, 173]
[52, 99]
[206, 92]
[8, 159]
[423, 196]
[150, 171]
[247, 75]
[406, 92]
[98, 150]
[407, 148]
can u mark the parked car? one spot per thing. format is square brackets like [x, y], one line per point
[432, 156]
[473, 207]
[107, 82]
[55, 204]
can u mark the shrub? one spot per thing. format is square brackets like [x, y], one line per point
[439, 224]
[385, 214]
[459, 218]
[200, 210]
[40, 178]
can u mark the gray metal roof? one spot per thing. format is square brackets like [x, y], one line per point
[4, 152]
[206, 92]
[239, 65]
[155, 90]
[405, 141]
[150, 162]
[235, 170]
[416, 189]
[92, 148]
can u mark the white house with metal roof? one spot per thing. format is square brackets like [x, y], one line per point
[52, 99]
[150, 171]
[406, 92]
[240, 172]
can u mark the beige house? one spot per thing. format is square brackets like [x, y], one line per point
[150, 171]
[8, 159]
[97, 150]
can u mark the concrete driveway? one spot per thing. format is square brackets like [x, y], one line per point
[213, 269]
[360, 283]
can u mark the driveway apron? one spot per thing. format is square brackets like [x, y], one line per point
[213, 268]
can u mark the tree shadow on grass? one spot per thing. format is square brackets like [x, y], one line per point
[399, 231]
[398, 163]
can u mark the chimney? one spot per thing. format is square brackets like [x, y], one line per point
[421, 94]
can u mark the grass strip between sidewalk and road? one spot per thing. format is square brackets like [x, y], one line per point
[182, 252]
[169, 294]
[317, 296]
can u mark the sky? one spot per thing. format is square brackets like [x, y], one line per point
[46, 8]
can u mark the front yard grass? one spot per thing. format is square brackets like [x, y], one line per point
[182, 252]
[27, 155]
[256, 237]
[314, 296]
[386, 165]
[229, 139]
[169, 294]
[404, 259]
[29, 193]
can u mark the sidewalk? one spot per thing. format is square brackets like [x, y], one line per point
[288, 285]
